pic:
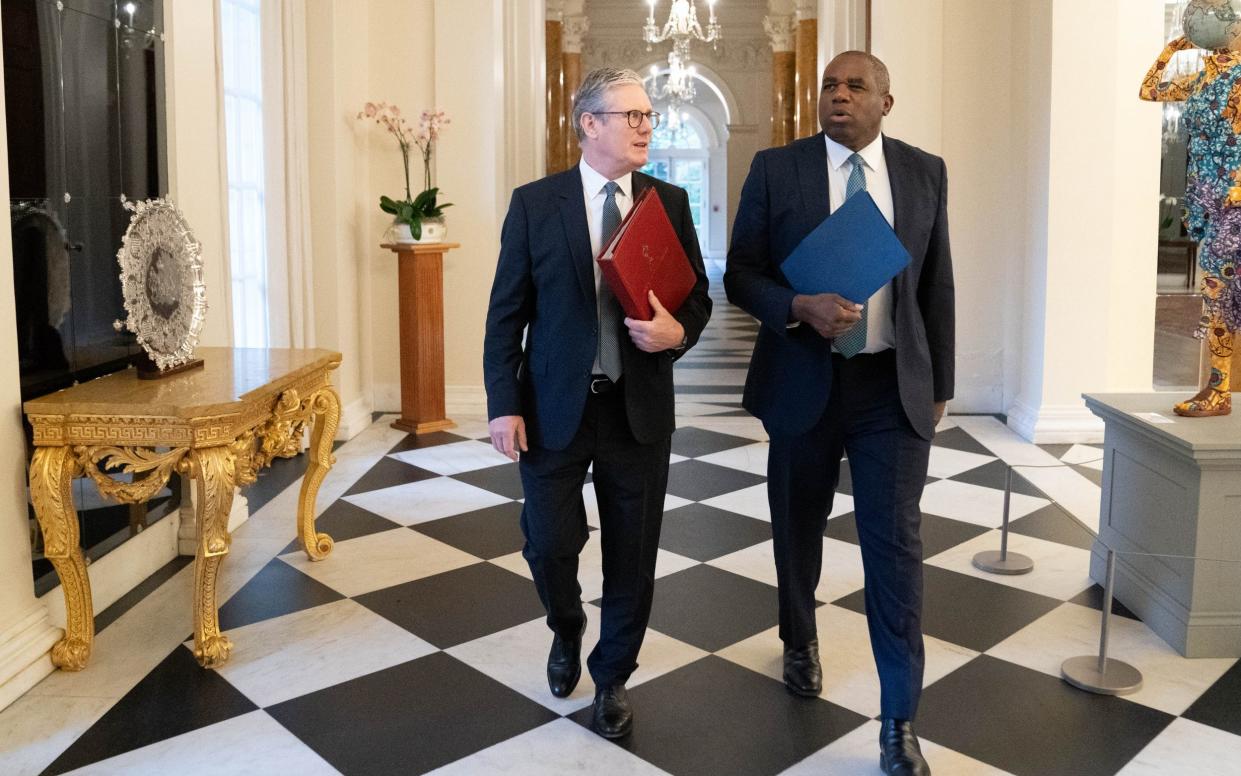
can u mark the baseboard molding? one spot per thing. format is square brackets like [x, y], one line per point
[354, 417]
[25, 654]
[465, 400]
[1062, 424]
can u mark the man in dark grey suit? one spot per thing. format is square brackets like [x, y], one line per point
[866, 377]
[589, 386]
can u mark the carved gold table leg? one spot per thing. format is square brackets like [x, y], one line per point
[214, 472]
[325, 407]
[51, 482]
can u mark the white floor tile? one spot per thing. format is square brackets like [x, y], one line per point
[381, 560]
[842, 567]
[420, 502]
[1059, 571]
[752, 502]
[35, 730]
[284, 657]
[454, 458]
[517, 657]
[591, 502]
[1171, 682]
[693, 409]
[751, 458]
[689, 377]
[947, 462]
[1186, 747]
[975, 503]
[857, 754]
[252, 743]
[560, 747]
[1084, 455]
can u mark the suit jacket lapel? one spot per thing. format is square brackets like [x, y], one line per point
[903, 205]
[577, 232]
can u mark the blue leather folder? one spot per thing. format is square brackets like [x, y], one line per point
[853, 253]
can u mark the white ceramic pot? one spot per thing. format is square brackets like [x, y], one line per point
[434, 230]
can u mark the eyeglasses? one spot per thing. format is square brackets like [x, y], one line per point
[635, 117]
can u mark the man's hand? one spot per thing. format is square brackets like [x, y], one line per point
[940, 406]
[508, 434]
[830, 314]
[663, 332]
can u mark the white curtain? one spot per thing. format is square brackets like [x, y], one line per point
[290, 279]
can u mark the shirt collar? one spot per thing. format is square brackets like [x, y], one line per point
[872, 154]
[593, 181]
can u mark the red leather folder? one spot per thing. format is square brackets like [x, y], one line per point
[645, 254]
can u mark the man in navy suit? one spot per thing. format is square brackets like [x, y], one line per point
[589, 386]
[864, 377]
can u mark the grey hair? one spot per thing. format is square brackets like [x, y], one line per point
[882, 79]
[591, 96]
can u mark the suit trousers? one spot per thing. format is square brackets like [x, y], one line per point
[629, 479]
[887, 464]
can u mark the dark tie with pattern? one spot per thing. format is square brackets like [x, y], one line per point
[852, 341]
[610, 314]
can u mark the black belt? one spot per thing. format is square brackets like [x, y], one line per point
[601, 384]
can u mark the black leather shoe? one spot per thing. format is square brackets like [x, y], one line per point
[802, 673]
[612, 717]
[564, 664]
[899, 753]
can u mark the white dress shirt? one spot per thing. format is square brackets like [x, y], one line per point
[880, 329]
[592, 190]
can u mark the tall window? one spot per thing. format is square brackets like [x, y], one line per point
[243, 115]
[679, 155]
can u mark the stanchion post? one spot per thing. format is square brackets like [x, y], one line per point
[1101, 674]
[1002, 562]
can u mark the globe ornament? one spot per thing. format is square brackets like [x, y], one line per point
[162, 284]
[1212, 24]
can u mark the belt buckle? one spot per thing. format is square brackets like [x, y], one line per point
[596, 382]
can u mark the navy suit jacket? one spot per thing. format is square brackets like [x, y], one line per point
[784, 198]
[545, 287]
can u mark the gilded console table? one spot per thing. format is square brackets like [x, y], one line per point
[420, 275]
[218, 425]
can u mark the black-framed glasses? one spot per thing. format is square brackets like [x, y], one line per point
[634, 116]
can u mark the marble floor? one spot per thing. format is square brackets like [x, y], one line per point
[418, 645]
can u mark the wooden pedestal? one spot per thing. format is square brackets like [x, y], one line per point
[421, 295]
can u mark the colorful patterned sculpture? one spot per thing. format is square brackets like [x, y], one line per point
[1212, 118]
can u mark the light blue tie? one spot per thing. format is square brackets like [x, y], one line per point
[610, 315]
[851, 342]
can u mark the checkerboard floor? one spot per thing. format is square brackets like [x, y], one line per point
[419, 644]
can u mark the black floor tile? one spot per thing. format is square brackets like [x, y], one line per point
[694, 442]
[1057, 450]
[958, 439]
[387, 473]
[343, 521]
[420, 441]
[1094, 475]
[1026, 722]
[715, 718]
[410, 718]
[697, 480]
[458, 606]
[504, 479]
[1093, 597]
[1220, 706]
[938, 533]
[178, 696]
[991, 475]
[280, 474]
[276, 590]
[704, 533]
[484, 533]
[711, 608]
[972, 612]
[1052, 524]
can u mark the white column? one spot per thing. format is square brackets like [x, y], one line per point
[1091, 287]
[26, 635]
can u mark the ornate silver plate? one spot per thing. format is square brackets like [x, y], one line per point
[162, 282]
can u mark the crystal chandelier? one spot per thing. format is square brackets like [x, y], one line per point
[681, 28]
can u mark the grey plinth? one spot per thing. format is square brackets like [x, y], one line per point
[1173, 488]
